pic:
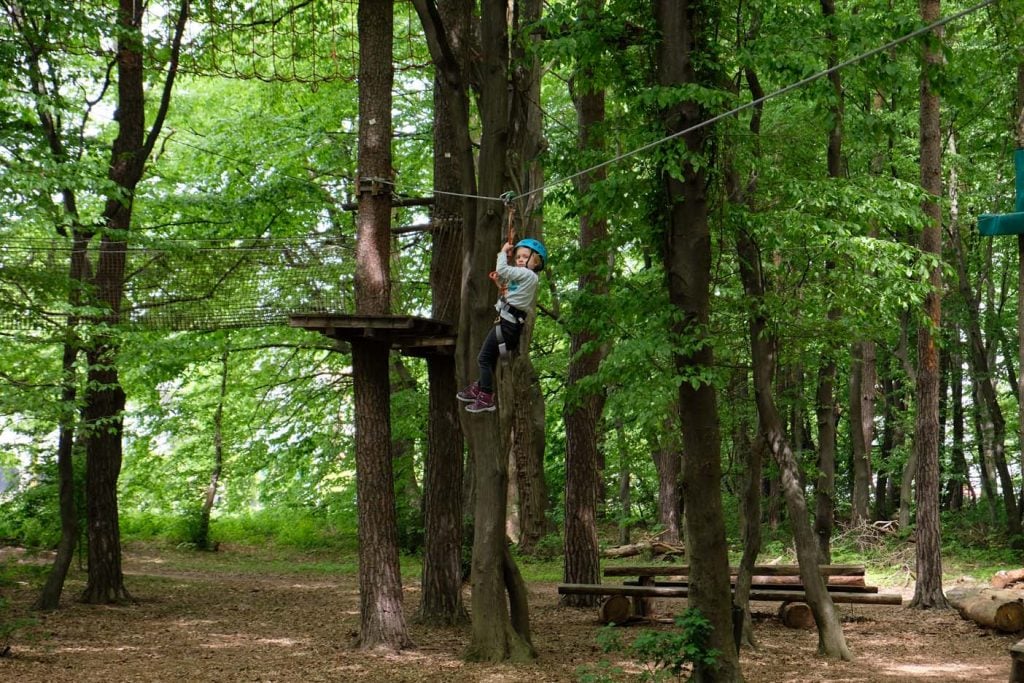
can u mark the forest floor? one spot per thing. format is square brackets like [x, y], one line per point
[236, 618]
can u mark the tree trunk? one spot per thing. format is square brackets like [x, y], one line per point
[928, 588]
[203, 535]
[525, 146]
[984, 377]
[958, 473]
[583, 409]
[831, 641]
[863, 377]
[447, 27]
[825, 408]
[104, 397]
[49, 596]
[668, 462]
[685, 31]
[382, 622]
[496, 635]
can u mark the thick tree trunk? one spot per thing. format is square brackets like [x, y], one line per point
[496, 634]
[685, 38]
[382, 621]
[454, 173]
[104, 397]
[928, 588]
[525, 146]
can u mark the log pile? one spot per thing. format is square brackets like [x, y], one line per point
[651, 548]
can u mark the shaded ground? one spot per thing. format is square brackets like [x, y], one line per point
[212, 621]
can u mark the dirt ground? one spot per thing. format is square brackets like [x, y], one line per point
[210, 623]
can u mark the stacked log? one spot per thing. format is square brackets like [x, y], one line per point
[991, 607]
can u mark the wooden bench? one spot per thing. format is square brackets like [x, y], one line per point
[850, 588]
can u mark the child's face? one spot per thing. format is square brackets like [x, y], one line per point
[523, 257]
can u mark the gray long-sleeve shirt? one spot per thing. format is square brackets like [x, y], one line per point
[522, 284]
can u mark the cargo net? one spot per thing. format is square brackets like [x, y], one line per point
[305, 41]
[189, 284]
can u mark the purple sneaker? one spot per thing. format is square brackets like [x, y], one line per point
[469, 394]
[484, 403]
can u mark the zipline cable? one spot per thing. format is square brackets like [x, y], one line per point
[753, 103]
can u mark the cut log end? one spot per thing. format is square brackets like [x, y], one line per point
[796, 615]
[616, 610]
[998, 609]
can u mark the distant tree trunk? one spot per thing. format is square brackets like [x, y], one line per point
[986, 468]
[683, 55]
[49, 597]
[582, 410]
[958, 470]
[203, 534]
[668, 462]
[448, 32]
[982, 371]
[928, 588]
[382, 621]
[863, 377]
[625, 501]
[831, 641]
[825, 401]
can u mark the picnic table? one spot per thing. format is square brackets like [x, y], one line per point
[772, 583]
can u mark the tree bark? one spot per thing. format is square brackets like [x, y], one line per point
[447, 27]
[203, 535]
[863, 377]
[928, 588]
[104, 397]
[989, 607]
[496, 635]
[831, 641]
[685, 30]
[583, 408]
[526, 173]
[382, 621]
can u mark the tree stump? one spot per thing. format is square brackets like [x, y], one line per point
[616, 609]
[796, 615]
[1017, 667]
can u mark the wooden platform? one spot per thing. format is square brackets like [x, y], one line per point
[412, 335]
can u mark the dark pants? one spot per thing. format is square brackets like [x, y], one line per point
[489, 352]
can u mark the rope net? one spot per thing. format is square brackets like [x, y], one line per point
[190, 284]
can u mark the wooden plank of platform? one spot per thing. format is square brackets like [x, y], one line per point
[413, 335]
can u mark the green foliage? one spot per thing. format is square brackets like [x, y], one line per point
[664, 655]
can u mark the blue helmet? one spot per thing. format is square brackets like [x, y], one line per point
[536, 247]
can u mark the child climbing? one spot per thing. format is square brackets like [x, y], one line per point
[518, 286]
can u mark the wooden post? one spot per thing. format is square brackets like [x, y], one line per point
[1017, 667]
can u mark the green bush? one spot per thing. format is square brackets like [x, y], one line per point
[665, 655]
